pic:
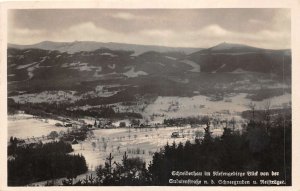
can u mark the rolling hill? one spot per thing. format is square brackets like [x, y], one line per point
[222, 68]
[237, 58]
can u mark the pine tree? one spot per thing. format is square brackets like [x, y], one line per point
[124, 160]
[207, 134]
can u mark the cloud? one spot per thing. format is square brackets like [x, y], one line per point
[214, 30]
[124, 16]
[256, 22]
[157, 33]
[25, 35]
[214, 34]
[159, 28]
[87, 31]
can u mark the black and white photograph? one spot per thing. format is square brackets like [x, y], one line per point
[149, 97]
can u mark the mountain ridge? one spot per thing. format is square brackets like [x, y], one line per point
[77, 46]
[138, 49]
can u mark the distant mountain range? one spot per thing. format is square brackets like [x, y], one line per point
[84, 65]
[77, 46]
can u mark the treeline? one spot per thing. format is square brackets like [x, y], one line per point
[38, 109]
[266, 93]
[48, 109]
[58, 147]
[38, 162]
[187, 120]
[122, 96]
[77, 134]
[261, 115]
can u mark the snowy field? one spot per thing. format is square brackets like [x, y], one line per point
[174, 107]
[26, 126]
[135, 142]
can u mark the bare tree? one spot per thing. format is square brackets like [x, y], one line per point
[147, 121]
[267, 107]
[93, 145]
[104, 146]
[198, 134]
[233, 122]
[252, 107]
[267, 113]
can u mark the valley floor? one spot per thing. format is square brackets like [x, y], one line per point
[141, 142]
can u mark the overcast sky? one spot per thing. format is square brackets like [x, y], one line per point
[266, 28]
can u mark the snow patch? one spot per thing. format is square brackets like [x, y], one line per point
[103, 93]
[215, 71]
[108, 54]
[233, 54]
[132, 74]
[44, 58]
[99, 88]
[171, 58]
[82, 66]
[31, 69]
[26, 65]
[161, 64]
[113, 66]
[196, 67]
[96, 74]
[239, 70]
[226, 46]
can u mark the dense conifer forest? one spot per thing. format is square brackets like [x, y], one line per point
[38, 162]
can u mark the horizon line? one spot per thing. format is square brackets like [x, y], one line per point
[191, 47]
